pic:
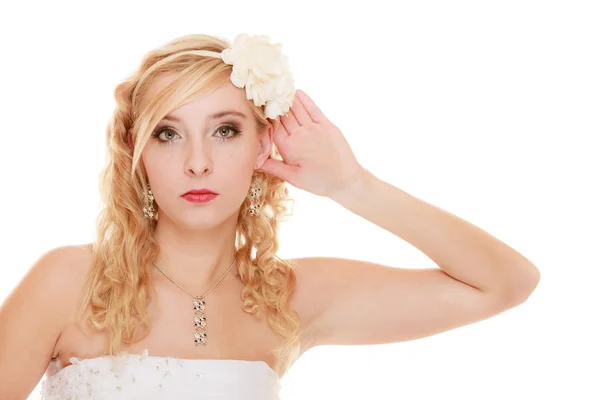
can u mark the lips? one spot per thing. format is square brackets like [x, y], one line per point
[199, 191]
[199, 196]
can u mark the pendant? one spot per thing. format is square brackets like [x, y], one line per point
[199, 321]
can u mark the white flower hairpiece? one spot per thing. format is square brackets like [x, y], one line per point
[263, 70]
[258, 65]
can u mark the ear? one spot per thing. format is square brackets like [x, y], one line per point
[266, 145]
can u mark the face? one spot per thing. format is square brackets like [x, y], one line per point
[200, 146]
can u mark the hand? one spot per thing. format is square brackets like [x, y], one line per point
[316, 156]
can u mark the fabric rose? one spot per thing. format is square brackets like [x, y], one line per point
[263, 70]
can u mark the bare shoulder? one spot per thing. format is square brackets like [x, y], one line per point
[57, 275]
[67, 267]
[34, 313]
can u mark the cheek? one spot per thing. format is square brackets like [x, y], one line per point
[236, 174]
[238, 165]
[160, 171]
[243, 154]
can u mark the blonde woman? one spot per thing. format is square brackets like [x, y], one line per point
[182, 293]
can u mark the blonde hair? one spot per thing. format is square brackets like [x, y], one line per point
[117, 287]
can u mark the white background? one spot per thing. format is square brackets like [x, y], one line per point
[489, 110]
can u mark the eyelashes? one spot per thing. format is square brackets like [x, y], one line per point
[235, 132]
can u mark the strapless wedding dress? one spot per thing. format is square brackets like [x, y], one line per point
[132, 376]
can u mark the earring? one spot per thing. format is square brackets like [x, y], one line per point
[254, 197]
[149, 209]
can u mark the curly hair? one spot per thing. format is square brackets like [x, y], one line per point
[117, 286]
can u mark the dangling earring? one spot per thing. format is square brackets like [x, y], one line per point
[149, 208]
[254, 197]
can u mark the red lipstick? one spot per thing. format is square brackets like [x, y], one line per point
[199, 195]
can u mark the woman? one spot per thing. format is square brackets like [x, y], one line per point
[182, 293]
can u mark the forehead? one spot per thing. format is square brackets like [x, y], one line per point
[225, 96]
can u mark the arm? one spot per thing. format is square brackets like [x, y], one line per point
[355, 302]
[31, 319]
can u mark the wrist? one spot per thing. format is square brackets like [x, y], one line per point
[356, 184]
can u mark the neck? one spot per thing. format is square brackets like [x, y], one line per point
[195, 259]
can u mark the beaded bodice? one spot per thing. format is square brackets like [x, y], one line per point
[132, 376]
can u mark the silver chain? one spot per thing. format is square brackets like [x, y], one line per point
[209, 290]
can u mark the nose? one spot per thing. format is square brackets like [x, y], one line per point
[198, 159]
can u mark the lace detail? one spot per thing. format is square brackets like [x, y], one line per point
[144, 377]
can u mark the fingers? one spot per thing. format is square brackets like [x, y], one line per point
[302, 112]
[289, 121]
[310, 107]
[302, 117]
[280, 134]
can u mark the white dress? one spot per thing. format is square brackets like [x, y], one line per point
[132, 376]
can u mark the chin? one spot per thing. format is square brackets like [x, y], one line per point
[205, 219]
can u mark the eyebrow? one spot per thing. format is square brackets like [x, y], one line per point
[218, 115]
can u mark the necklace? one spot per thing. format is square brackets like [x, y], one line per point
[199, 307]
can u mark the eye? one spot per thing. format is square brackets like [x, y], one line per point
[227, 128]
[166, 130]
